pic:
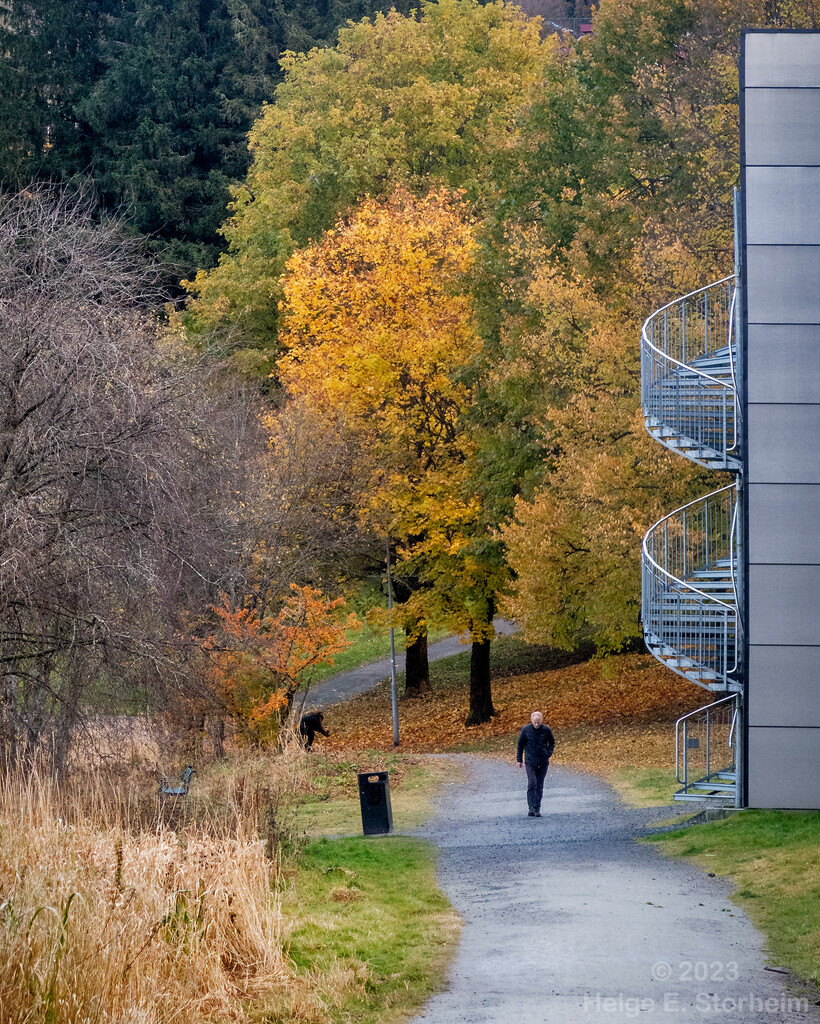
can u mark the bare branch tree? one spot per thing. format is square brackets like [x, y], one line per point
[138, 482]
[299, 521]
[112, 473]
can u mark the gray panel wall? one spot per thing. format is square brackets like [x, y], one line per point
[780, 118]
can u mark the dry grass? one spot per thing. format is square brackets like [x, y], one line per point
[118, 908]
[345, 894]
[115, 908]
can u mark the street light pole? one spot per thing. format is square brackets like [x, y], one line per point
[393, 697]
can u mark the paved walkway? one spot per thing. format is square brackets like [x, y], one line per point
[568, 920]
[359, 680]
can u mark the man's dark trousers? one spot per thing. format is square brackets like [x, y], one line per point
[536, 773]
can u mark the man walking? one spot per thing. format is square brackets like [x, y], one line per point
[535, 744]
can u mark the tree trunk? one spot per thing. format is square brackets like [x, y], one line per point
[193, 737]
[417, 670]
[481, 698]
[218, 738]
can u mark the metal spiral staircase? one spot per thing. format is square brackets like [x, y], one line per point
[691, 611]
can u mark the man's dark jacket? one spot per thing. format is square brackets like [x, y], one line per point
[539, 744]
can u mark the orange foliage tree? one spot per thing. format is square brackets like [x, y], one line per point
[256, 664]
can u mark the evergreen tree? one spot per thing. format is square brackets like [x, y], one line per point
[152, 99]
[179, 89]
[50, 62]
[418, 102]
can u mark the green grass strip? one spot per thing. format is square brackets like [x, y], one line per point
[368, 644]
[644, 787]
[372, 931]
[774, 858]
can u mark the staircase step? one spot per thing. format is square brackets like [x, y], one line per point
[701, 796]
[708, 458]
[690, 668]
[714, 787]
[707, 586]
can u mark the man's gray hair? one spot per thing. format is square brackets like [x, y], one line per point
[536, 713]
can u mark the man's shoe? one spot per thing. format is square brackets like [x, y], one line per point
[537, 814]
[531, 814]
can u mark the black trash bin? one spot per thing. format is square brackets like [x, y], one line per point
[374, 796]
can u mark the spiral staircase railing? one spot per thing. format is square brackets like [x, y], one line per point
[707, 743]
[688, 376]
[691, 611]
[689, 592]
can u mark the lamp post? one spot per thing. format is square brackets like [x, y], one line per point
[393, 697]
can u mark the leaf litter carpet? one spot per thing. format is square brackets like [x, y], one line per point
[605, 712]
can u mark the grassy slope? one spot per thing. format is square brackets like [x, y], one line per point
[608, 714]
[370, 933]
[368, 913]
[774, 857]
[644, 787]
[370, 643]
[329, 803]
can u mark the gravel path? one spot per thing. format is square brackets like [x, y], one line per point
[568, 920]
[359, 680]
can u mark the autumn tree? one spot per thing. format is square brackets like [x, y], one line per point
[378, 328]
[399, 100]
[629, 201]
[115, 477]
[600, 175]
[376, 319]
[574, 544]
[139, 481]
[257, 662]
[296, 516]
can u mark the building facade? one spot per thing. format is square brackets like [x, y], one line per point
[731, 380]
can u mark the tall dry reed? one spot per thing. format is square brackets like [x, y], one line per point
[112, 912]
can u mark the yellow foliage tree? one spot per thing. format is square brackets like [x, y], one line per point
[378, 327]
[376, 320]
[433, 97]
[377, 324]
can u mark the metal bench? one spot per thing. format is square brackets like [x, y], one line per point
[176, 785]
